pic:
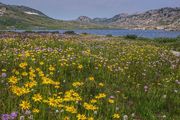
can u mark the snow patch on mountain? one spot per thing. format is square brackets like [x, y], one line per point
[31, 13]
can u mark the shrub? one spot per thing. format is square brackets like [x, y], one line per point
[108, 35]
[84, 33]
[178, 37]
[165, 40]
[131, 36]
[70, 32]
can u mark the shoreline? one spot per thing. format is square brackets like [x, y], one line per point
[168, 30]
[107, 32]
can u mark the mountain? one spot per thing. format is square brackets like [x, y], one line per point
[84, 19]
[12, 16]
[117, 17]
[165, 18]
[99, 20]
[22, 17]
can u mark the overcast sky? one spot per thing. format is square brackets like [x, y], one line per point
[71, 9]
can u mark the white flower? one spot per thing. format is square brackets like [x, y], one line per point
[164, 116]
[145, 88]
[117, 108]
[164, 96]
[175, 91]
[21, 117]
[133, 114]
[31, 117]
[62, 111]
[95, 112]
[56, 111]
[125, 117]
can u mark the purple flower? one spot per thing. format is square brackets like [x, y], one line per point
[5, 117]
[3, 75]
[112, 97]
[13, 115]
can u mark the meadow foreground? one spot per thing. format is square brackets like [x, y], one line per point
[86, 77]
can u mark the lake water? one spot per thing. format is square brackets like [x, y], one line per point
[124, 32]
[139, 33]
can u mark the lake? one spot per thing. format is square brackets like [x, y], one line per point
[124, 32]
[139, 33]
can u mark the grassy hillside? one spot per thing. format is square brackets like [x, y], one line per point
[15, 17]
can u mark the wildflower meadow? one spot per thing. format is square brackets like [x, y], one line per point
[86, 77]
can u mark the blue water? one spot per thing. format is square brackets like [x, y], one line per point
[124, 32]
[139, 33]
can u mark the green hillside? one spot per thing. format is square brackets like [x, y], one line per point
[16, 17]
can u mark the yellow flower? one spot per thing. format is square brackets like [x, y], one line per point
[80, 66]
[37, 97]
[51, 68]
[16, 72]
[35, 110]
[47, 81]
[24, 74]
[31, 74]
[101, 84]
[77, 84]
[23, 65]
[25, 105]
[41, 74]
[38, 69]
[19, 90]
[41, 63]
[3, 70]
[52, 102]
[33, 59]
[27, 54]
[13, 80]
[111, 101]
[100, 95]
[66, 118]
[89, 106]
[116, 116]
[90, 118]
[57, 86]
[91, 78]
[30, 84]
[81, 117]
[71, 95]
[93, 101]
[71, 109]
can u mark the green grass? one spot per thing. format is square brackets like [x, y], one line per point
[171, 43]
[140, 77]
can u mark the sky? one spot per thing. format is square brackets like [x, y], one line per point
[72, 9]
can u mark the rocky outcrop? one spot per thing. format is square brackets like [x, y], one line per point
[84, 19]
[2, 11]
[164, 18]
